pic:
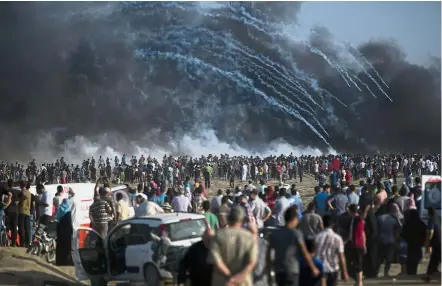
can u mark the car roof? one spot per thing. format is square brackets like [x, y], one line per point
[170, 217]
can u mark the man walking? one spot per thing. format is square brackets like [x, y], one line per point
[287, 244]
[330, 249]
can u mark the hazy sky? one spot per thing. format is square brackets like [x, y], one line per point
[416, 26]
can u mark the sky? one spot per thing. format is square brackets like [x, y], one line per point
[416, 26]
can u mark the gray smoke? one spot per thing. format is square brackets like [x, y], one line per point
[70, 78]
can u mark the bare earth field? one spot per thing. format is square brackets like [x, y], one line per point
[18, 268]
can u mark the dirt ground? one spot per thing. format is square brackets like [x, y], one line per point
[18, 268]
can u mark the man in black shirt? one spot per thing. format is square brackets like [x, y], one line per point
[12, 211]
[196, 263]
[5, 200]
[32, 217]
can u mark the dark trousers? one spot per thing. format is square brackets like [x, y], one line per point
[24, 225]
[331, 279]
[12, 222]
[44, 219]
[101, 228]
[386, 255]
[110, 225]
[371, 267]
[207, 182]
[284, 279]
[414, 255]
[434, 260]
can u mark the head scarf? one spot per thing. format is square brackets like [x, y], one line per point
[411, 205]
[64, 208]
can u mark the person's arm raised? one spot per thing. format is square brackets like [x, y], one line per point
[96, 185]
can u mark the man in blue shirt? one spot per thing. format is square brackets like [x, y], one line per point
[334, 178]
[321, 200]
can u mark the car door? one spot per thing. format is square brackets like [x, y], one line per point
[89, 254]
[139, 250]
[116, 244]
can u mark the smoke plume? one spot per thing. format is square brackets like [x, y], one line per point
[87, 78]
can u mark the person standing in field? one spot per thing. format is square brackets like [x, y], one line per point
[287, 244]
[24, 212]
[330, 249]
[223, 212]
[211, 218]
[234, 251]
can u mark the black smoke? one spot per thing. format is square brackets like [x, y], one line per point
[67, 69]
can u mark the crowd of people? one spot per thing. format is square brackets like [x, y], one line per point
[171, 171]
[361, 215]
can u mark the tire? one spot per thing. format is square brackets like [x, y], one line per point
[50, 256]
[30, 249]
[37, 249]
[152, 276]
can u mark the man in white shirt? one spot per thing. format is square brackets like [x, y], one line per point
[146, 208]
[430, 167]
[330, 249]
[260, 210]
[266, 171]
[180, 203]
[316, 169]
[44, 205]
[216, 202]
[245, 171]
[250, 186]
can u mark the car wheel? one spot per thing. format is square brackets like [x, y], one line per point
[152, 276]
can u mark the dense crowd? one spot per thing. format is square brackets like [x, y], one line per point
[170, 171]
[361, 215]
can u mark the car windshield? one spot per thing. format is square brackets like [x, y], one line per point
[186, 229]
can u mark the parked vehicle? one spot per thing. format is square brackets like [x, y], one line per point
[431, 196]
[44, 243]
[142, 249]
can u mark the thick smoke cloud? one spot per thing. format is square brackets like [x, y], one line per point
[70, 74]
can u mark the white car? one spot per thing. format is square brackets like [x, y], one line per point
[133, 250]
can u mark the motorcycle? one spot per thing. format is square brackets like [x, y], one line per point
[43, 244]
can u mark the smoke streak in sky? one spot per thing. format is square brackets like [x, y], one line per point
[187, 76]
